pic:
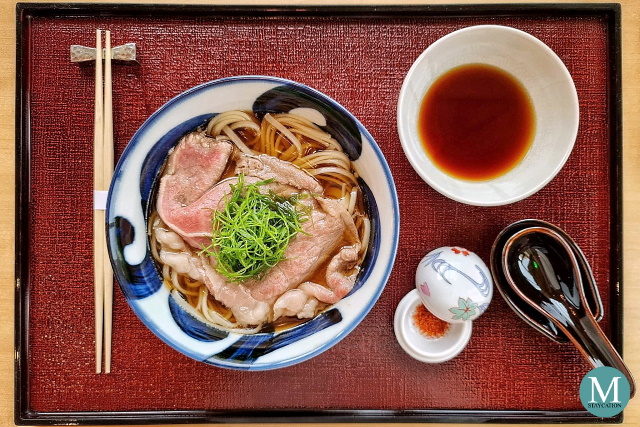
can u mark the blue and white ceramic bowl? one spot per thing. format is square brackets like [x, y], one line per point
[131, 192]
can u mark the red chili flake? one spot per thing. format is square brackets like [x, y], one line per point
[428, 324]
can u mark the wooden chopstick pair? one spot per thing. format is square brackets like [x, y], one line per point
[102, 173]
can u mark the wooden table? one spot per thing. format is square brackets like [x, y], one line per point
[631, 131]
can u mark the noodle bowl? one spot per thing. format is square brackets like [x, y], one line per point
[294, 140]
[334, 152]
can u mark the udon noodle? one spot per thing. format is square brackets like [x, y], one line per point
[291, 138]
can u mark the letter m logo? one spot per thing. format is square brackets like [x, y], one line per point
[595, 387]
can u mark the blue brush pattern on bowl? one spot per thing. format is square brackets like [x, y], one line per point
[286, 98]
[166, 313]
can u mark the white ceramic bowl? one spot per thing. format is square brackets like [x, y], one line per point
[550, 88]
[131, 193]
[416, 345]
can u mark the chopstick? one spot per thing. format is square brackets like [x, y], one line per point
[99, 238]
[107, 174]
[103, 170]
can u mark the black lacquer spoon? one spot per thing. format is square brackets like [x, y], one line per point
[530, 315]
[542, 269]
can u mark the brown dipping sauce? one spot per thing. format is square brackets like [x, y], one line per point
[476, 122]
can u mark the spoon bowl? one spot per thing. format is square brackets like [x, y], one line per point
[543, 270]
[530, 315]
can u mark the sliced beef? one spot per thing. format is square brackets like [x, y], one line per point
[193, 167]
[295, 303]
[266, 167]
[236, 297]
[323, 233]
[193, 222]
[187, 191]
[190, 190]
[175, 253]
[340, 277]
[246, 309]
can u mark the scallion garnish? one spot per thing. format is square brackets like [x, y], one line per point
[252, 232]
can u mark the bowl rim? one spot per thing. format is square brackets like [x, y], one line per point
[407, 142]
[384, 275]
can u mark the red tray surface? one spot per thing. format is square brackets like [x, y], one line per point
[361, 63]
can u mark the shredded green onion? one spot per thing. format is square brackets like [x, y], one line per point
[252, 232]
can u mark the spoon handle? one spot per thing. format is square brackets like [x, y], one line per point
[597, 349]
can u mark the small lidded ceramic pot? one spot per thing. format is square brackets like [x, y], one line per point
[454, 284]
